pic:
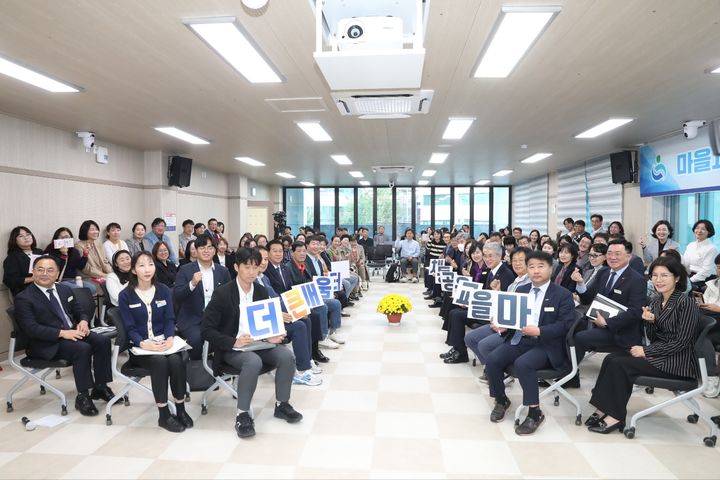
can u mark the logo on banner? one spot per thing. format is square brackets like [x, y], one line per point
[659, 171]
[311, 294]
[295, 304]
[325, 285]
[263, 319]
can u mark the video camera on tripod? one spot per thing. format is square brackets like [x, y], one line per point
[280, 219]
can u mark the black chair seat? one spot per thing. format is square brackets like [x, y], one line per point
[545, 374]
[130, 370]
[42, 364]
[667, 383]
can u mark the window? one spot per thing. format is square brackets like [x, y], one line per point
[604, 196]
[682, 211]
[571, 196]
[384, 211]
[365, 209]
[346, 208]
[481, 210]
[423, 204]
[300, 207]
[530, 205]
[442, 207]
[501, 207]
[462, 207]
[327, 211]
[403, 209]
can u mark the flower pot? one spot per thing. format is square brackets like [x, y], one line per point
[394, 317]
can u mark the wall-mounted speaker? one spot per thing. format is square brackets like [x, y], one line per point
[715, 137]
[621, 164]
[179, 170]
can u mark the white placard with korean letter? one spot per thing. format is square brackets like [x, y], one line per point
[508, 309]
[441, 271]
[311, 294]
[325, 285]
[64, 242]
[434, 264]
[295, 304]
[457, 279]
[337, 280]
[342, 266]
[262, 319]
[464, 292]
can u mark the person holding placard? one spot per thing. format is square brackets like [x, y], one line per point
[147, 312]
[315, 266]
[221, 326]
[538, 345]
[71, 261]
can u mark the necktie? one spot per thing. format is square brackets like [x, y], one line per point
[518, 333]
[489, 279]
[58, 309]
[609, 284]
[281, 276]
[142, 246]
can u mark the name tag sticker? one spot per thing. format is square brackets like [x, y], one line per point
[549, 309]
[619, 292]
[160, 303]
[70, 299]
[134, 305]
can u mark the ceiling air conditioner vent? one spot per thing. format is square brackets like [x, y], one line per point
[385, 105]
[393, 169]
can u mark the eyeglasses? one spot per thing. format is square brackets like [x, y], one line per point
[596, 255]
[42, 271]
[205, 248]
[664, 276]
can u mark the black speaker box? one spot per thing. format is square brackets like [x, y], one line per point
[621, 164]
[179, 170]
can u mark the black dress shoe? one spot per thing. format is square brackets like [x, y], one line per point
[350, 304]
[244, 425]
[171, 424]
[448, 353]
[603, 427]
[594, 419]
[457, 357]
[285, 411]
[319, 357]
[498, 411]
[428, 297]
[85, 405]
[435, 305]
[529, 425]
[344, 315]
[102, 393]
[185, 419]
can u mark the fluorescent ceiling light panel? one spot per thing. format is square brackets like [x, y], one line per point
[364, 183]
[315, 131]
[428, 173]
[236, 46]
[307, 184]
[341, 159]
[536, 158]
[480, 183]
[717, 70]
[284, 175]
[34, 78]
[439, 157]
[182, 135]
[422, 183]
[250, 161]
[502, 173]
[356, 174]
[516, 30]
[456, 128]
[604, 127]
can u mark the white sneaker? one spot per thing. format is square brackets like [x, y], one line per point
[306, 378]
[328, 343]
[403, 279]
[315, 367]
[712, 389]
[337, 338]
[415, 280]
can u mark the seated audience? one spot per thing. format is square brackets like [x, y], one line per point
[185, 236]
[535, 239]
[221, 327]
[358, 259]
[562, 274]
[261, 240]
[199, 229]
[670, 325]
[113, 242]
[662, 233]
[190, 253]
[224, 257]
[146, 310]
[699, 255]
[582, 261]
[57, 328]
[17, 266]
[118, 279]
[601, 237]
[579, 230]
[535, 346]
[212, 229]
[409, 253]
[164, 268]
[616, 229]
[710, 306]
[71, 261]
[596, 221]
[137, 243]
[509, 244]
[158, 235]
[597, 265]
[97, 266]
[380, 238]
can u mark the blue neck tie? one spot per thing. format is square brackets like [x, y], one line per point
[518, 333]
[609, 284]
[57, 308]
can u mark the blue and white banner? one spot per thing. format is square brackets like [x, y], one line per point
[505, 309]
[325, 285]
[677, 165]
[311, 294]
[262, 319]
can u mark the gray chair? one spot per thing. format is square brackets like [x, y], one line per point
[379, 258]
[684, 391]
[33, 369]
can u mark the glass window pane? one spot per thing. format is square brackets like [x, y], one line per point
[384, 211]
[709, 210]
[462, 207]
[300, 208]
[501, 207]
[442, 207]
[365, 209]
[346, 204]
[481, 210]
[422, 208]
[327, 211]
[403, 209]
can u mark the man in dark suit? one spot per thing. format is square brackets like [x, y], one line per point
[623, 285]
[535, 346]
[58, 330]
[194, 286]
[221, 327]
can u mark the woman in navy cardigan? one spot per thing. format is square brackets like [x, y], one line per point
[145, 297]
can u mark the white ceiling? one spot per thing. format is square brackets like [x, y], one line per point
[140, 67]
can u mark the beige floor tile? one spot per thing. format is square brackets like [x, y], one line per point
[332, 422]
[403, 357]
[173, 470]
[138, 442]
[407, 454]
[265, 422]
[406, 425]
[359, 356]
[14, 437]
[262, 449]
[233, 471]
[6, 457]
[362, 383]
[76, 439]
[382, 474]
[463, 426]
[401, 347]
[199, 445]
[111, 467]
[637, 461]
[533, 462]
[475, 403]
[338, 452]
[457, 385]
[403, 369]
[44, 465]
[340, 472]
[492, 458]
[407, 384]
[363, 346]
[358, 368]
[349, 400]
[307, 397]
[686, 461]
[404, 402]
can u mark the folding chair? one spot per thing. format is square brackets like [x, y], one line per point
[378, 258]
[558, 377]
[31, 369]
[685, 391]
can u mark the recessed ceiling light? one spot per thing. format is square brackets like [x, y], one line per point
[34, 78]
[439, 157]
[536, 158]
[428, 173]
[356, 174]
[315, 131]
[515, 31]
[307, 184]
[284, 174]
[364, 183]
[456, 127]
[250, 161]
[236, 46]
[182, 135]
[423, 182]
[502, 173]
[604, 127]
[716, 71]
[341, 159]
[482, 182]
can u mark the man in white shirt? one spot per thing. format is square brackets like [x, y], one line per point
[596, 221]
[409, 251]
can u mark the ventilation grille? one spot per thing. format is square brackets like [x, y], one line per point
[395, 103]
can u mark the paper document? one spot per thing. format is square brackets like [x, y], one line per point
[608, 308]
[50, 421]
[179, 344]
